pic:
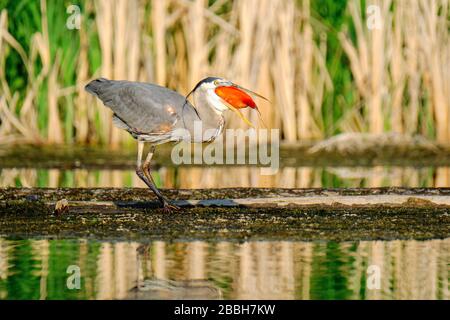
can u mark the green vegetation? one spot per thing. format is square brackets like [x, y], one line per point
[324, 69]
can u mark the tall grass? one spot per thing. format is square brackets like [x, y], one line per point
[401, 69]
[323, 69]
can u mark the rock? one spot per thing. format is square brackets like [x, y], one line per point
[62, 206]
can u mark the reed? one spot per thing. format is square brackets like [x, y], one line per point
[325, 72]
[400, 68]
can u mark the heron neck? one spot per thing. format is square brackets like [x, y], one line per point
[212, 119]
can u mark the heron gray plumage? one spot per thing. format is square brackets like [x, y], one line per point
[154, 114]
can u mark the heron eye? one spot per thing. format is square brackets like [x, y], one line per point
[216, 82]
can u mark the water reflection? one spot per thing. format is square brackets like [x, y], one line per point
[218, 177]
[36, 269]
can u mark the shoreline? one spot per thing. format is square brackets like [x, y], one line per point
[305, 215]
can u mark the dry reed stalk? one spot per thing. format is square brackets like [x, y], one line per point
[368, 63]
[119, 55]
[7, 114]
[397, 71]
[377, 75]
[178, 49]
[410, 49]
[16, 126]
[54, 130]
[28, 111]
[84, 114]
[82, 117]
[133, 39]
[435, 45]
[304, 117]
[159, 25]
[118, 25]
[413, 69]
[119, 40]
[104, 17]
[282, 68]
[194, 28]
[244, 53]
[259, 71]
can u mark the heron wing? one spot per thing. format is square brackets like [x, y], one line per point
[139, 107]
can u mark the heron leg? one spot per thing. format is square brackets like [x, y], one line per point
[143, 172]
[143, 176]
[146, 169]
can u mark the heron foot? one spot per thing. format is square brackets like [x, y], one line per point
[168, 208]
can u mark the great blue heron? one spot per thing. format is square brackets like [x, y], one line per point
[154, 114]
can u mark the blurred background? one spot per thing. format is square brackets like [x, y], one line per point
[328, 66]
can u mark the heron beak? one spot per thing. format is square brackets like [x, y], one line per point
[251, 92]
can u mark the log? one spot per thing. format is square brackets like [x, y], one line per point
[281, 202]
[304, 196]
[227, 214]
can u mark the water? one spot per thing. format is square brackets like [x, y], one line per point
[243, 176]
[37, 269]
[263, 269]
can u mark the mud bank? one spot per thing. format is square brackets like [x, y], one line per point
[228, 214]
